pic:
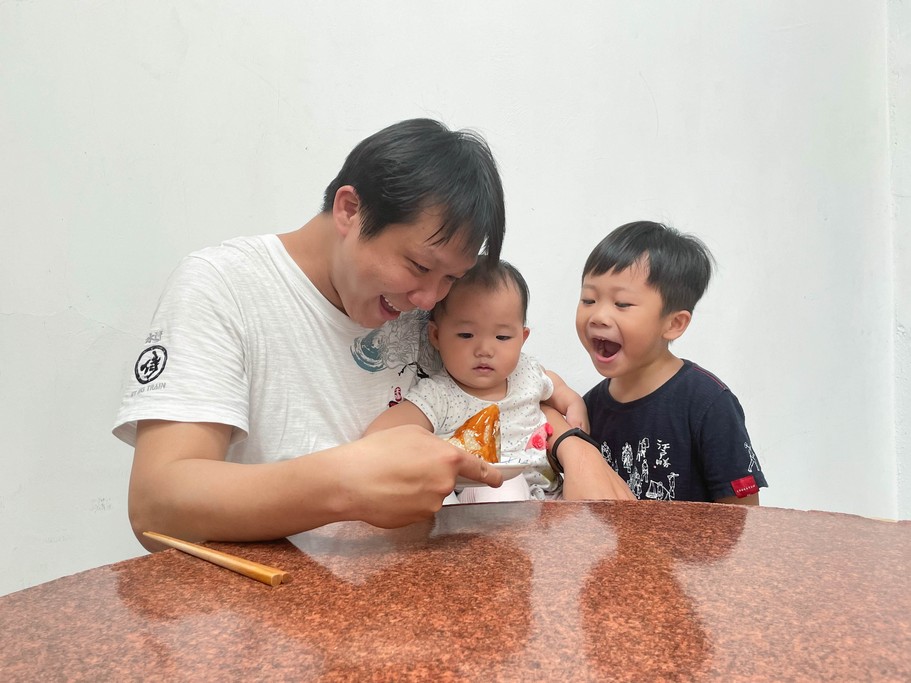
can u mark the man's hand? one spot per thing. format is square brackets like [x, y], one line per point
[401, 475]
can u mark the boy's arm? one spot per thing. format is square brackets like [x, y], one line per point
[726, 451]
[404, 413]
[586, 475]
[567, 402]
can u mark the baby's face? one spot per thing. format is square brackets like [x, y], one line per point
[480, 336]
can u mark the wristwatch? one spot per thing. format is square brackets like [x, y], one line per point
[552, 458]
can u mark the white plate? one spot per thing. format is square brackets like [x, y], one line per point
[507, 469]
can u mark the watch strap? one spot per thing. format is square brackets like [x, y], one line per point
[575, 431]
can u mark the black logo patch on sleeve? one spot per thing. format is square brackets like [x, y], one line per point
[150, 364]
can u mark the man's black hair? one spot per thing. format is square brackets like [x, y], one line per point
[679, 265]
[489, 274]
[420, 164]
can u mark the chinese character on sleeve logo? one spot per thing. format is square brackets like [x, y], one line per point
[150, 364]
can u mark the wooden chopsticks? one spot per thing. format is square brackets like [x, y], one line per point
[268, 575]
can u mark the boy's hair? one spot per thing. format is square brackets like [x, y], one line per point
[489, 275]
[420, 164]
[679, 265]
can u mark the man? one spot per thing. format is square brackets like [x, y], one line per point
[268, 356]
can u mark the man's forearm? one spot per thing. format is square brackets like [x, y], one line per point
[213, 500]
[182, 486]
[587, 476]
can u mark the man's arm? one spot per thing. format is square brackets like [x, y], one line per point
[182, 486]
[586, 475]
[567, 402]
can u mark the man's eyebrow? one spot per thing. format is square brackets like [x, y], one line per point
[428, 251]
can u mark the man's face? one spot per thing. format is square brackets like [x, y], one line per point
[398, 270]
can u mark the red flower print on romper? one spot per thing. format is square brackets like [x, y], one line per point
[538, 440]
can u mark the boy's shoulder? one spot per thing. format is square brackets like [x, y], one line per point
[700, 377]
[692, 382]
[695, 387]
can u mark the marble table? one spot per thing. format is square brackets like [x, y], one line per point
[637, 591]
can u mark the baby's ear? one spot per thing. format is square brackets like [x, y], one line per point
[525, 332]
[675, 324]
[433, 334]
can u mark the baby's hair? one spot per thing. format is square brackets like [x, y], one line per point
[489, 275]
[679, 265]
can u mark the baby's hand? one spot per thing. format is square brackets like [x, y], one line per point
[567, 402]
[577, 415]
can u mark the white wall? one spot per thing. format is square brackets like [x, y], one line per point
[899, 56]
[134, 132]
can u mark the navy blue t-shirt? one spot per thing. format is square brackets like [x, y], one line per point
[685, 441]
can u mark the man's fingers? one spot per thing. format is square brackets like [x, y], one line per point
[472, 467]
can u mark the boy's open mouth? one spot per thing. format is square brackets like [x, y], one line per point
[605, 347]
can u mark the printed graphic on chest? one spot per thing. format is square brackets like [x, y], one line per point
[645, 468]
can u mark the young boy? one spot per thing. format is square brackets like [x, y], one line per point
[479, 330]
[671, 429]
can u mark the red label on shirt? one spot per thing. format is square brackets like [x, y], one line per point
[745, 487]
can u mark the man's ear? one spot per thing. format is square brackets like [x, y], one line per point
[433, 334]
[346, 210]
[675, 324]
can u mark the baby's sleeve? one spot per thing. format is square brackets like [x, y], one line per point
[429, 395]
[534, 371]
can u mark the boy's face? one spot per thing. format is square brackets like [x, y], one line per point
[398, 270]
[479, 336]
[620, 323]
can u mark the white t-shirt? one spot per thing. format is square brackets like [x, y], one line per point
[242, 337]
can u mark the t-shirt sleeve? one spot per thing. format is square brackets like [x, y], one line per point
[190, 367]
[429, 395]
[727, 458]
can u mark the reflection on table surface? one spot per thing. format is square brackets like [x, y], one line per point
[572, 591]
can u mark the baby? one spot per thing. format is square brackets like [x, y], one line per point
[479, 331]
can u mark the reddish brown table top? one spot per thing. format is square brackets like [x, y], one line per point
[507, 591]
